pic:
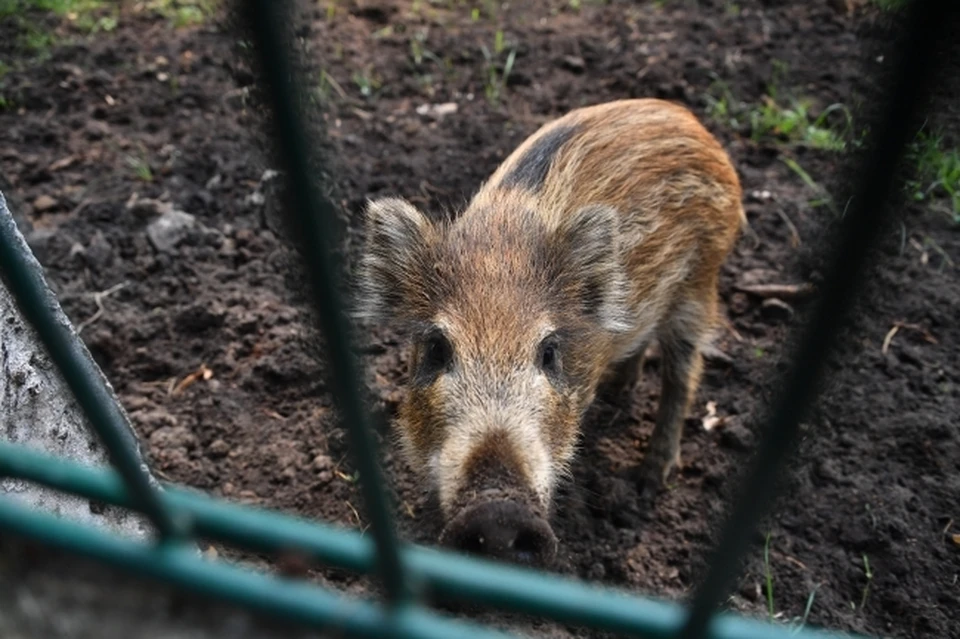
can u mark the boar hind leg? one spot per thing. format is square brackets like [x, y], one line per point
[622, 376]
[680, 364]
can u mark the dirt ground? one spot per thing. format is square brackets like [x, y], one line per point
[198, 328]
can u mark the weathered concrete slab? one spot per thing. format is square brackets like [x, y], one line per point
[47, 594]
[38, 410]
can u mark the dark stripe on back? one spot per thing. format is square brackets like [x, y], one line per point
[531, 169]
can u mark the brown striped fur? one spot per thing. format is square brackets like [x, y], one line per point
[602, 231]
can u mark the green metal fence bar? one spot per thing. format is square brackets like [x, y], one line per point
[282, 599]
[26, 284]
[248, 528]
[310, 220]
[863, 223]
[449, 577]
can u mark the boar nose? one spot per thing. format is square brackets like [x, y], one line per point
[505, 530]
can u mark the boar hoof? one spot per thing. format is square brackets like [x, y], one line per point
[653, 474]
[504, 530]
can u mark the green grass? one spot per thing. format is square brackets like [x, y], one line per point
[782, 118]
[787, 121]
[796, 623]
[87, 16]
[185, 13]
[141, 168]
[498, 67]
[768, 577]
[60, 7]
[868, 573]
[937, 173]
[5, 102]
[795, 123]
[368, 81]
[891, 5]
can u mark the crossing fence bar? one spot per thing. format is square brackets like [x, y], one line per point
[414, 576]
[447, 576]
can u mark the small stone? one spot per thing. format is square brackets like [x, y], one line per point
[99, 253]
[200, 317]
[736, 436]
[152, 420]
[171, 228]
[44, 203]
[437, 111]
[757, 276]
[214, 182]
[145, 208]
[322, 462]
[739, 303]
[574, 63]
[596, 572]
[40, 241]
[96, 129]
[255, 199]
[827, 471]
[99, 78]
[218, 448]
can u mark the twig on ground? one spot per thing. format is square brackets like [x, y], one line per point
[782, 291]
[794, 233]
[888, 338]
[99, 297]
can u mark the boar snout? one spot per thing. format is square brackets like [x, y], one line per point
[504, 530]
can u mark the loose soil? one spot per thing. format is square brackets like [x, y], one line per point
[151, 112]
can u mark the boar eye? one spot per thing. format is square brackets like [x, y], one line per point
[548, 356]
[437, 355]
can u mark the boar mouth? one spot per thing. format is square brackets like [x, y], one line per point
[503, 529]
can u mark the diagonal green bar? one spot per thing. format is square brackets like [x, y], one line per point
[864, 221]
[450, 577]
[286, 600]
[310, 219]
[24, 279]
[249, 528]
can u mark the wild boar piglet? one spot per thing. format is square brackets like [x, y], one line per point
[604, 230]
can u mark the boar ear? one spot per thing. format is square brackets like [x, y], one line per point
[592, 269]
[391, 268]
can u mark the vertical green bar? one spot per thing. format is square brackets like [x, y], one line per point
[862, 226]
[25, 280]
[310, 217]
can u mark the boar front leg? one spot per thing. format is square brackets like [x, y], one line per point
[681, 364]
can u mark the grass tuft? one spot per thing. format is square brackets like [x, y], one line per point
[184, 13]
[768, 575]
[499, 66]
[891, 5]
[780, 118]
[866, 589]
[937, 173]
